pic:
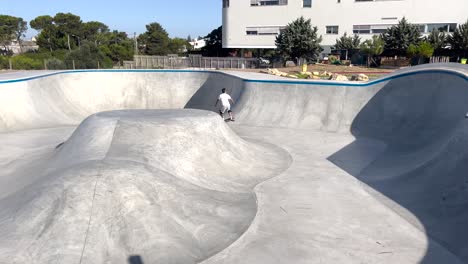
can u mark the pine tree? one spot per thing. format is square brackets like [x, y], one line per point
[459, 39]
[399, 37]
[299, 40]
[438, 39]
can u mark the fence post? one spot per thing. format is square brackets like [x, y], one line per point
[11, 64]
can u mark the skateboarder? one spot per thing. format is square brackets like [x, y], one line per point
[225, 104]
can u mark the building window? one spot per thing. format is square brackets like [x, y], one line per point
[361, 29]
[422, 27]
[225, 3]
[379, 29]
[444, 27]
[268, 2]
[307, 3]
[264, 30]
[332, 30]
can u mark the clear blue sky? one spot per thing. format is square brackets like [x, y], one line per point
[179, 18]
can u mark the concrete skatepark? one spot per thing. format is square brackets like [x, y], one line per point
[135, 166]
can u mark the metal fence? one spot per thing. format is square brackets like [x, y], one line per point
[439, 59]
[193, 61]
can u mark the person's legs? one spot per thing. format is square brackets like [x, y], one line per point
[222, 111]
[230, 115]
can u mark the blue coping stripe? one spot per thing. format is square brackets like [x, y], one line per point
[321, 83]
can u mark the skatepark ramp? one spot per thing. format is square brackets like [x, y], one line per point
[98, 166]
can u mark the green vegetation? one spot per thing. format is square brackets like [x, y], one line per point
[64, 40]
[299, 40]
[398, 38]
[214, 44]
[437, 39]
[372, 48]
[11, 28]
[348, 43]
[420, 52]
[459, 39]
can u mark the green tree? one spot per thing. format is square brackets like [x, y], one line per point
[69, 25]
[63, 31]
[214, 44]
[154, 41]
[117, 46]
[299, 40]
[41, 22]
[438, 39]
[47, 37]
[21, 28]
[94, 31]
[348, 43]
[399, 37]
[420, 52]
[11, 28]
[459, 39]
[87, 57]
[178, 46]
[373, 47]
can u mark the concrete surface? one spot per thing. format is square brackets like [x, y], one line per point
[310, 172]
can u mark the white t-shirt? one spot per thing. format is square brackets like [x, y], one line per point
[224, 98]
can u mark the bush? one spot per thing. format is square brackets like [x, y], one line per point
[4, 64]
[337, 62]
[21, 62]
[87, 57]
[420, 53]
[55, 64]
[425, 49]
[332, 59]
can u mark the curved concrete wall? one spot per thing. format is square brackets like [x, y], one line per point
[66, 98]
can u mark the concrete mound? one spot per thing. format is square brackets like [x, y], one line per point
[172, 186]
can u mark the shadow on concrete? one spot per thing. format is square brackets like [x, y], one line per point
[205, 97]
[411, 147]
[135, 260]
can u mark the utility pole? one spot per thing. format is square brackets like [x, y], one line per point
[136, 43]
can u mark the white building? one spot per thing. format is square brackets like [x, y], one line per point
[255, 23]
[198, 43]
[16, 48]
